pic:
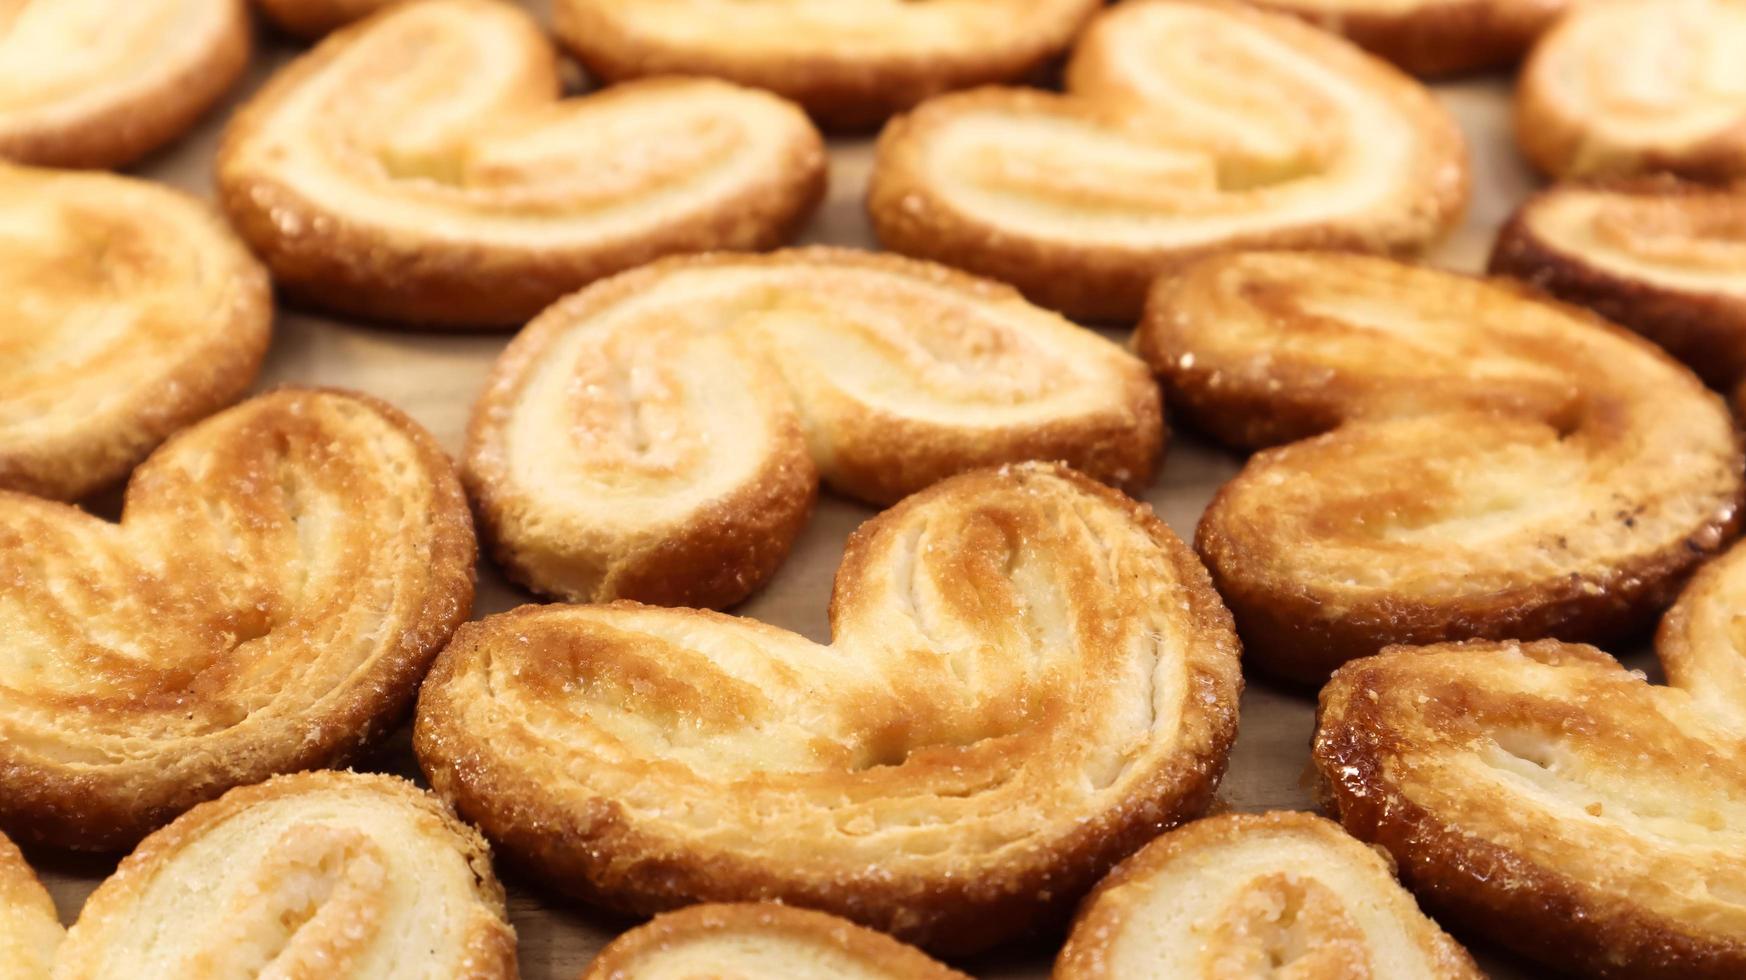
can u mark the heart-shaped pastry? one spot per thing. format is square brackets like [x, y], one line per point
[761, 940]
[1030, 677]
[1662, 256]
[660, 436]
[1638, 86]
[420, 167]
[1433, 37]
[1257, 895]
[1190, 126]
[322, 874]
[282, 575]
[127, 311]
[849, 62]
[1542, 795]
[1457, 458]
[101, 83]
[30, 931]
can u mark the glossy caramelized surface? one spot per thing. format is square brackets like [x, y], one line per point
[1189, 126]
[1030, 676]
[279, 581]
[420, 167]
[1460, 459]
[660, 436]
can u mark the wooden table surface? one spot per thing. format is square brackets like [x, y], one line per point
[436, 376]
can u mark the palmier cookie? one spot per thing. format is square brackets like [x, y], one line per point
[1191, 126]
[660, 436]
[101, 83]
[1465, 460]
[1433, 37]
[1030, 677]
[761, 940]
[1661, 256]
[1257, 895]
[1638, 86]
[313, 18]
[321, 874]
[127, 311]
[849, 62]
[419, 167]
[30, 931]
[1546, 797]
[281, 578]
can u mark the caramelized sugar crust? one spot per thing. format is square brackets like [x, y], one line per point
[1433, 37]
[127, 311]
[1030, 677]
[1456, 458]
[761, 940]
[1189, 127]
[660, 436]
[282, 575]
[420, 167]
[1257, 895]
[319, 874]
[1662, 256]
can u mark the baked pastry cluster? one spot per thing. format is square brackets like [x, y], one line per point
[761, 940]
[1189, 127]
[849, 62]
[1455, 458]
[1544, 796]
[127, 311]
[100, 83]
[1030, 677]
[282, 576]
[1627, 87]
[1434, 37]
[420, 168]
[660, 436]
[320, 874]
[1257, 895]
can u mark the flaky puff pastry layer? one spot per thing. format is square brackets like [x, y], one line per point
[849, 62]
[761, 940]
[1433, 37]
[97, 83]
[1457, 458]
[1544, 796]
[1662, 256]
[1030, 677]
[420, 167]
[1638, 86]
[1190, 126]
[282, 575]
[660, 436]
[332, 875]
[127, 311]
[1257, 895]
[30, 931]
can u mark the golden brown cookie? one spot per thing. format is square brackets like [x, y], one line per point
[283, 574]
[101, 83]
[336, 875]
[420, 167]
[849, 62]
[30, 931]
[127, 311]
[1542, 795]
[1662, 256]
[1285, 895]
[313, 18]
[1190, 126]
[1638, 86]
[660, 436]
[761, 940]
[1030, 677]
[1433, 37]
[1456, 458]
